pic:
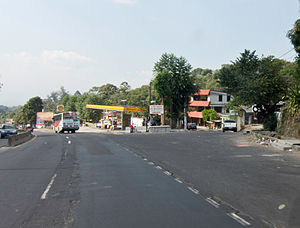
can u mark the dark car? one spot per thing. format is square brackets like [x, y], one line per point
[8, 129]
[191, 126]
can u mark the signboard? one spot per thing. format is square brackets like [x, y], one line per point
[60, 108]
[156, 109]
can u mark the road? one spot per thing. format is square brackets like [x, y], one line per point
[186, 179]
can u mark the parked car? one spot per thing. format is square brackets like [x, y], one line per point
[8, 129]
[191, 126]
[229, 125]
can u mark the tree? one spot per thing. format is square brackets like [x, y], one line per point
[206, 79]
[177, 75]
[27, 114]
[293, 96]
[294, 36]
[252, 80]
[209, 115]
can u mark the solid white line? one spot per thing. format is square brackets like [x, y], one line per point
[179, 181]
[193, 190]
[239, 219]
[167, 173]
[48, 187]
[212, 202]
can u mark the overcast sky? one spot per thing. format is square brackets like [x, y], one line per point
[45, 44]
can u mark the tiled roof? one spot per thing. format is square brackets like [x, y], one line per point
[203, 92]
[195, 115]
[199, 103]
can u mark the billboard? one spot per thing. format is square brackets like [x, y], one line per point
[156, 109]
[44, 119]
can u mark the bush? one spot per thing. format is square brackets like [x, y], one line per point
[271, 122]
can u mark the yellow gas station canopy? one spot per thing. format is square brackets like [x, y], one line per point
[115, 108]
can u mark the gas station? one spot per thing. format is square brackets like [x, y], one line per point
[111, 118]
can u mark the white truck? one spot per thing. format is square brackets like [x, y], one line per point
[229, 125]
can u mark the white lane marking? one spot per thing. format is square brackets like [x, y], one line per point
[150, 163]
[158, 167]
[48, 187]
[271, 155]
[67, 137]
[179, 181]
[212, 202]
[243, 156]
[193, 190]
[239, 219]
[281, 206]
[69, 142]
[145, 159]
[167, 173]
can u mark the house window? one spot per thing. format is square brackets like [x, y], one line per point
[220, 97]
[228, 98]
[218, 109]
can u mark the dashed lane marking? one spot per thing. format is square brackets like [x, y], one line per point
[158, 167]
[271, 155]
[48, 187]
[167, 173]
[239, 219]
[212, 202]
[193, 190]
[69, 142]
[243, 156]
[150, 163]
[179, 181]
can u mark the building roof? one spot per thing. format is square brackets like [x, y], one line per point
[199, 103]
[195, 115]
[203, 92]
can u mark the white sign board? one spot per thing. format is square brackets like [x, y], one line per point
[156, 109]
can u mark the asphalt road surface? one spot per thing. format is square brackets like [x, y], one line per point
[186, 179]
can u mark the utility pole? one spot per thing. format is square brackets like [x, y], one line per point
[149, 116]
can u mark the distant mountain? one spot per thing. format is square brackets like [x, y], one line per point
[5, 109]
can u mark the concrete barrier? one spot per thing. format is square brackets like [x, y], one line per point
[14, 140]
[160, 129]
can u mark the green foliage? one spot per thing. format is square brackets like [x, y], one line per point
[206, 79]
[27, 114]
[271, 122]
[254, 81]
[293, 95]
[294, 36]
[176, 73]
[209, 115]
[162, 86]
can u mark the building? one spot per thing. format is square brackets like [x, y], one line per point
[207, 99]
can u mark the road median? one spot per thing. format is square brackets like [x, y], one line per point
[14, 140]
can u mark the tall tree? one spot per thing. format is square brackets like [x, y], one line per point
[180, 81]
[27, 114]
[252, 80]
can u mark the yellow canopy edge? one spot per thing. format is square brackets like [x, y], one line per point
[115, 108]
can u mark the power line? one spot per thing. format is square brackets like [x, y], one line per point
[285, 53]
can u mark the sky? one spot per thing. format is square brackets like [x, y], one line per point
[78, 44]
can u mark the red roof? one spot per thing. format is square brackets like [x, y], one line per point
[195, 115]
[203, 92]
[199, 103]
